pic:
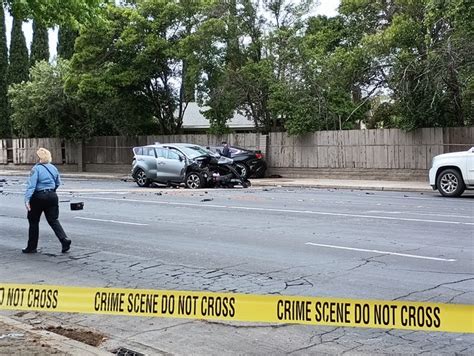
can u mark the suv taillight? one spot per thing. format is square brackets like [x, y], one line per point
[258, 155]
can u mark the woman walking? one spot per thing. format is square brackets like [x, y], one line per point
[40, 196]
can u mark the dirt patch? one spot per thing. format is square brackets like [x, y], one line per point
[15, 341]
[85, 336]
[20, 314]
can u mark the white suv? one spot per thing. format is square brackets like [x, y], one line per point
[452, 173]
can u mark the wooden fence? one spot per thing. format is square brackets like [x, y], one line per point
[377, 149]
[118, 150]
[390, 149]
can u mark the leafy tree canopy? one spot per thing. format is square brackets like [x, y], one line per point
[398, 63]
[52, 12]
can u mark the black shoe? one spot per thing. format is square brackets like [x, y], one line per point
[29, 250]
[66, 246]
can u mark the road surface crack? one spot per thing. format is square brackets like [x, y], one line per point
[234, 326]
[302, 281]
[457, 295]
[320, 341]
[149, 267]
[432, 288]
[367, 261]
[435, 272]
[403, 337]
[165, 328]
[359, 344]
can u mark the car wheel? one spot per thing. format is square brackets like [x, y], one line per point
[141, 179]
[194, 180]
[450, 183]
[242, 169]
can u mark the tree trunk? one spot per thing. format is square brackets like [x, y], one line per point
[455, 88]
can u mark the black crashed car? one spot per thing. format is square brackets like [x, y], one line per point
[248, 163]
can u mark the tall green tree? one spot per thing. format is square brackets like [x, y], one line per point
[5, 127]
[66, 39]
[279, 67]
[19, 61]
[73, 12]
[135, 59]
[42, 108]
[252, 49]
[333, 73]
[40, 43]
[219, 58]
[422, 49]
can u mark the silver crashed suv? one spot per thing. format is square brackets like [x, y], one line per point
[170, 164]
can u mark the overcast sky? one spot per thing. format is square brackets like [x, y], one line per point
[325, 7]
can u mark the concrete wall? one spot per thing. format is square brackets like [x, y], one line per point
[355, 153]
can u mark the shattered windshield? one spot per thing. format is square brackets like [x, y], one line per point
[194, 151]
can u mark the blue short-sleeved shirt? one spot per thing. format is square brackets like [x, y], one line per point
[41, 178]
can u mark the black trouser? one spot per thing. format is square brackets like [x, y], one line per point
[46, 202]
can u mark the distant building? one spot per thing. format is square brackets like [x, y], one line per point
[193, 120]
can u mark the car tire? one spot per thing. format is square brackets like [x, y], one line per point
[450, 183]
[242, 169]
[194, 180]
[141, 178]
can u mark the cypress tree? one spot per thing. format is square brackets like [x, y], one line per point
[5, 126]
[66, 39]
[19, 63]
[40, 44]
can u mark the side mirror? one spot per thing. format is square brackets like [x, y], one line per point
[181, 158]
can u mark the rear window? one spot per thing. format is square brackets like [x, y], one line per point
[149, 151]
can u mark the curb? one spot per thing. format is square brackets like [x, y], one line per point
[55, 341]
[69, 175]
[346, 187]
[276, 183]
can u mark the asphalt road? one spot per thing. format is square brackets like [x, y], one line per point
[335, 243]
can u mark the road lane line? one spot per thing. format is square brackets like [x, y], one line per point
[111, 221]
[285, 211]
[416, 213]
[382, 252]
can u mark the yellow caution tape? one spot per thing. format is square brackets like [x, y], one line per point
[241, 307]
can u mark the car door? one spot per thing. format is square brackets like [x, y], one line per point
[148, 161]
[470, 167]
[175, 165]
[170, 165]
[161, 157]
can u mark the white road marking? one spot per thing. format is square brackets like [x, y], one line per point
[415, 213]
[292, 211]
[111, 221]
[382, 252]
[311, 212]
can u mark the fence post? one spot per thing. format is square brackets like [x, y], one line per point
[263, 145]
[80, 156]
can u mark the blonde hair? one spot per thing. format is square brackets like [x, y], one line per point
[44, 155]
